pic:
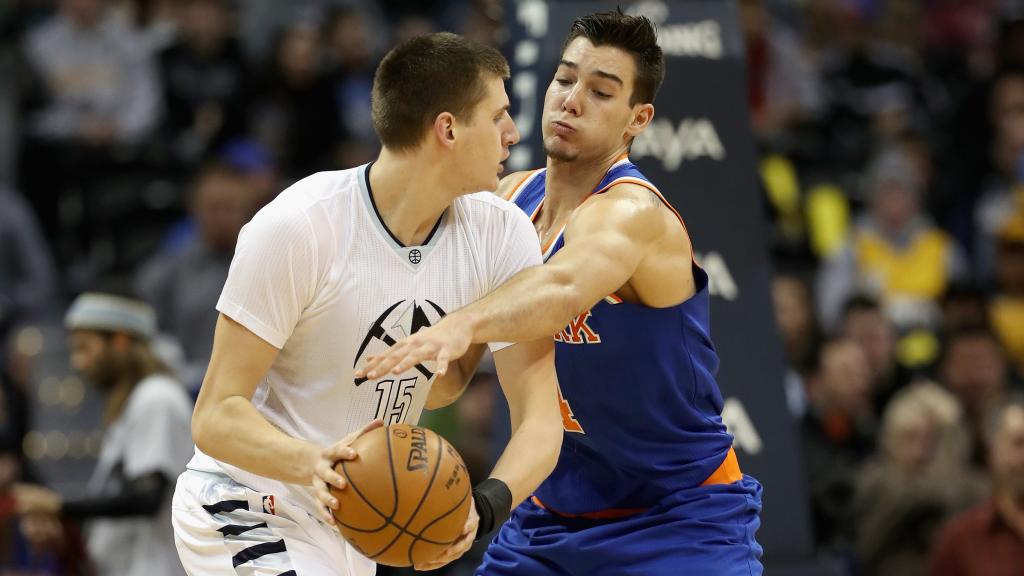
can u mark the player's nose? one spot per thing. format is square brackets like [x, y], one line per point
[572, 103]
[512, 134]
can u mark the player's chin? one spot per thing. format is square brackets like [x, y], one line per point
[492, 184]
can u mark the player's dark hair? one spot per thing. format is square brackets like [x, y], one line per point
[634, 34]
[428, 75]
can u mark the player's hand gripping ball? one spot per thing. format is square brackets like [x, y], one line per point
[407, 496]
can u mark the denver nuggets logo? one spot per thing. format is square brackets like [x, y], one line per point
[396, 395]
[401, 319]
[579, 332]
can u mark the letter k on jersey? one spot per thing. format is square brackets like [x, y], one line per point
[578, 332]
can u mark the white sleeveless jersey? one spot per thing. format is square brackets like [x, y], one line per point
[318, 275]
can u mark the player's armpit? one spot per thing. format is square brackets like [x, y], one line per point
[449, 387]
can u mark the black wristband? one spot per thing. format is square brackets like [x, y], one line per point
[493, 501]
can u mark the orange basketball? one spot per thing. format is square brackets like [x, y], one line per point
[408, 495]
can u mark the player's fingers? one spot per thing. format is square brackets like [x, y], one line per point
[371, 425]
[443, 357]
[371, 367]
[453, 552]
[325, 497]
[340, 451]
[327, 516]
[432, 565]
[348, 440]
[332, 478]
[390, 362]
[418, 355]
[380, 364]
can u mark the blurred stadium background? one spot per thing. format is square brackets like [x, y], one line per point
[851, 170]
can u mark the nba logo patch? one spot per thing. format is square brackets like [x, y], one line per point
[268, 504]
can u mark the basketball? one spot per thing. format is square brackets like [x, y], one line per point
[408, 495]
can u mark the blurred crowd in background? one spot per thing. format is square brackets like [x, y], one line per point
[138, 136]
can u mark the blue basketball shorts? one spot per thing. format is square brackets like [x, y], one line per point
[702, 531]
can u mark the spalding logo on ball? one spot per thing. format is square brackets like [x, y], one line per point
[408, 495]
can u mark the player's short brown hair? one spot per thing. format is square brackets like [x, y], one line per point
[633, 34]
[428, 75]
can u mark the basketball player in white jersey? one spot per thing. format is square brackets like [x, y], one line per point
[335, 269]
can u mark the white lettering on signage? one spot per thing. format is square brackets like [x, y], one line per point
[720, 280]
[738, 422]
[693, 138]
[702, 39]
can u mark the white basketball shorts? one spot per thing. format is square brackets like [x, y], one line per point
[222, 528]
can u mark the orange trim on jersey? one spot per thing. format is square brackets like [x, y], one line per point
[613, 298]
[551, 241]
[609, 514]
[727, 472]
[518, 187]
[649, 186]
[536, 211]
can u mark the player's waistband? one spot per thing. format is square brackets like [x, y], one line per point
[726, 473]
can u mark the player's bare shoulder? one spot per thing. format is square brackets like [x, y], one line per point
[640, 195]
[509, 183]
[625, 204]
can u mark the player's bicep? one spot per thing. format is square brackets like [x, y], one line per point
[238, 363]
[604, 245]
[526, 372]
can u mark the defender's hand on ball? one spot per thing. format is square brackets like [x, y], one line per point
[459, 547]
[444, 342]
[324, 474]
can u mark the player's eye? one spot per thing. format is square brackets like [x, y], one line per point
[562, 81]
[602, 95]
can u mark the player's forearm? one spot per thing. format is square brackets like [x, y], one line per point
[536, 303]
[234, 432]
[529, 457]
[447, 389]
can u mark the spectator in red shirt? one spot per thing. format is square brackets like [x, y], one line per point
[989, 540]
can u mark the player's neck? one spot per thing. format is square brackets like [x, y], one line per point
[569, 182]
[409, 194]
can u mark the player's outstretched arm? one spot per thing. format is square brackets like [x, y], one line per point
[607, 240]
[226, 425]
[527, 375]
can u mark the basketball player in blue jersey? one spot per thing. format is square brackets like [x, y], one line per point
[647, 481]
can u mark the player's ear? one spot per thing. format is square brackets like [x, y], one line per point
[642, 116]
[444, 129]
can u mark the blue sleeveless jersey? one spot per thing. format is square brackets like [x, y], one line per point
[640, 405]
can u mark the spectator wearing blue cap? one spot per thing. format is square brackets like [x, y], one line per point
[145, 446]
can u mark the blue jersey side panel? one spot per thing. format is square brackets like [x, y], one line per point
[640, 382]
